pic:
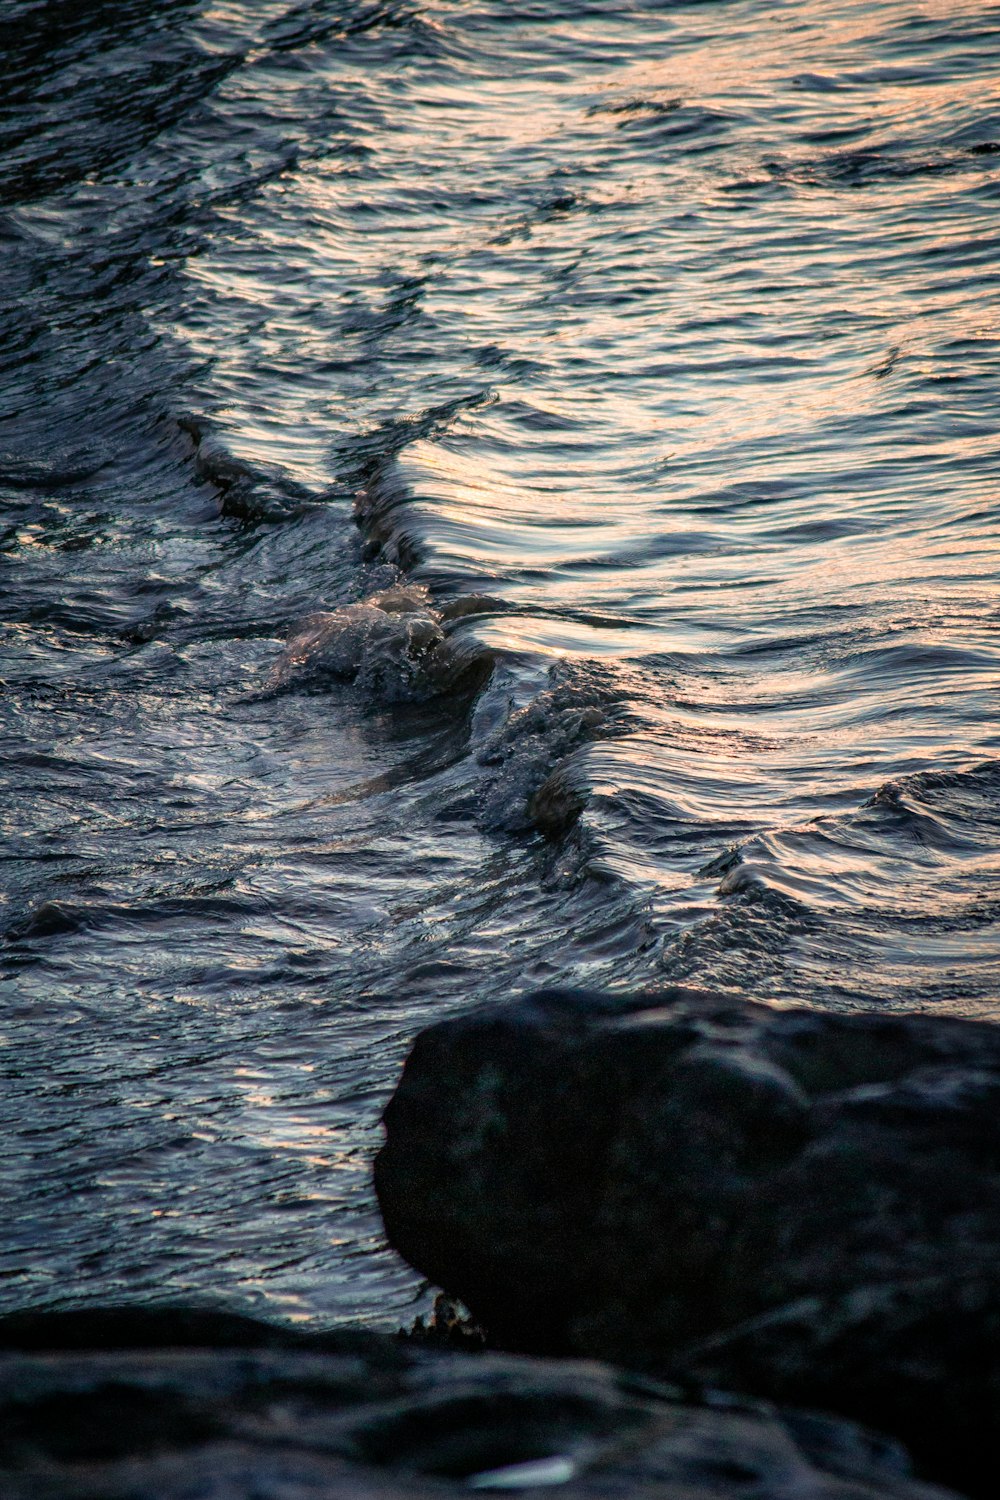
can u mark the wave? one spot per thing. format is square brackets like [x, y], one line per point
[891, 905]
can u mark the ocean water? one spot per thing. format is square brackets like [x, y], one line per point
[494, 493]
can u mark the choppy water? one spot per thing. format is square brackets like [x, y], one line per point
[494, 492]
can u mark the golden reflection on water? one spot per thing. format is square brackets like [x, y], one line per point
[716, 384]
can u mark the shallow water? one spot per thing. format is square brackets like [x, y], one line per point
[493, 493]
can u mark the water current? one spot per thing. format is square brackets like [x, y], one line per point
[494, 492]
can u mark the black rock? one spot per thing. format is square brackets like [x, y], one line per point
[796, 1204]
[273, 1415]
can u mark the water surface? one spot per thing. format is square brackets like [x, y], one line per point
[493, 494]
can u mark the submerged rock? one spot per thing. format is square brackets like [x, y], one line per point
[801, 1205]
[168, 1406]
[393, 645]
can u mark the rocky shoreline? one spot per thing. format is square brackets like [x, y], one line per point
[713, 1249]
[170, 1404]
[797, 1205]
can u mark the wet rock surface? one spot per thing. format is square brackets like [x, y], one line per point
[800, 1205]
[170, 1405]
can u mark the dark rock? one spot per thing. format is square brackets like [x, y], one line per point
[275, 1415]
[800, 1205]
